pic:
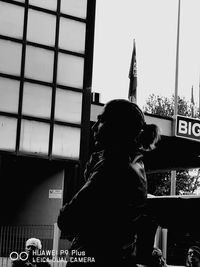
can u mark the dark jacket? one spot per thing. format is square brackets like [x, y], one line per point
[102, 217]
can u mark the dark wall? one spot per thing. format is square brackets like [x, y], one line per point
[25, 185]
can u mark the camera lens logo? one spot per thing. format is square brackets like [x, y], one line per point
[23, 256]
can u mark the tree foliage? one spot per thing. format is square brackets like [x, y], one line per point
[186, 183]
[159, 183]
[164, 106]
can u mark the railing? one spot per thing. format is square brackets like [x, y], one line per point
[13, 237]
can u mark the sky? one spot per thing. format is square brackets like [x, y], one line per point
[153, 25]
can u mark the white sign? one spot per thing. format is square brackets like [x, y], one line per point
[188, 128]
[55, 193]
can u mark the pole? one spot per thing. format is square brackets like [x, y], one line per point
[173, 173]
[177, 66]
[173, 183]
[56, 236]
[164, 242]
[199, 96]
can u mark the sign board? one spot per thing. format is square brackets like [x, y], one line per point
[188, 128]
[55, 193]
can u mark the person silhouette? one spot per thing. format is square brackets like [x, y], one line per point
[101, 218]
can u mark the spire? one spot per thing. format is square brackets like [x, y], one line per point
[192, 96]
[133, 76]
[192, 102]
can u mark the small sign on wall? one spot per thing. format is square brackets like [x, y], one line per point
[55, 193]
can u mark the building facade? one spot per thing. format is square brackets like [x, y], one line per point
[46, 56]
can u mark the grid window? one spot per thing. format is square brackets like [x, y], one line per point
[37, 100]
[42, 59]
[11, 20]
[72, 35]
[8, 130]
[70, 70]
[34, 137]
[10, 57]
[39, 64]
[66, 141]
[41, 28]
[48, 4]
[68, 106]
[77, 8]
[9, 95]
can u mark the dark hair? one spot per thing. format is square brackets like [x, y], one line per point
[132, 123]
[121, 111]
[149, 136]
[196, 249]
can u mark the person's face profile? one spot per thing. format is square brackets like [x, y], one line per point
[97, 124]
[193, 256]
[99, 129]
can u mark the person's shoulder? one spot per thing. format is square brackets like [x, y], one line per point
[138, 158]
[137, 164]
[138, 173]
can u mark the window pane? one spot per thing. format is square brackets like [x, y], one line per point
[9, 95]
[11, 20]
[41, 28]
[68, 106]
[8, 130]
[66, 141]
[10, 57]
[70, 70]
[34, 137]
[39, 64]
[72, 35]
[37, 100]
[50, 4]
[77, 8]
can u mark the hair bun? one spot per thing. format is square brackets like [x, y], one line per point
[149, 136]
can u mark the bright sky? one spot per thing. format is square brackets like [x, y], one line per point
[153, 25]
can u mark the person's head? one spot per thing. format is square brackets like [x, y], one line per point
[122, 123]
[193, 256]
[33, 244]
